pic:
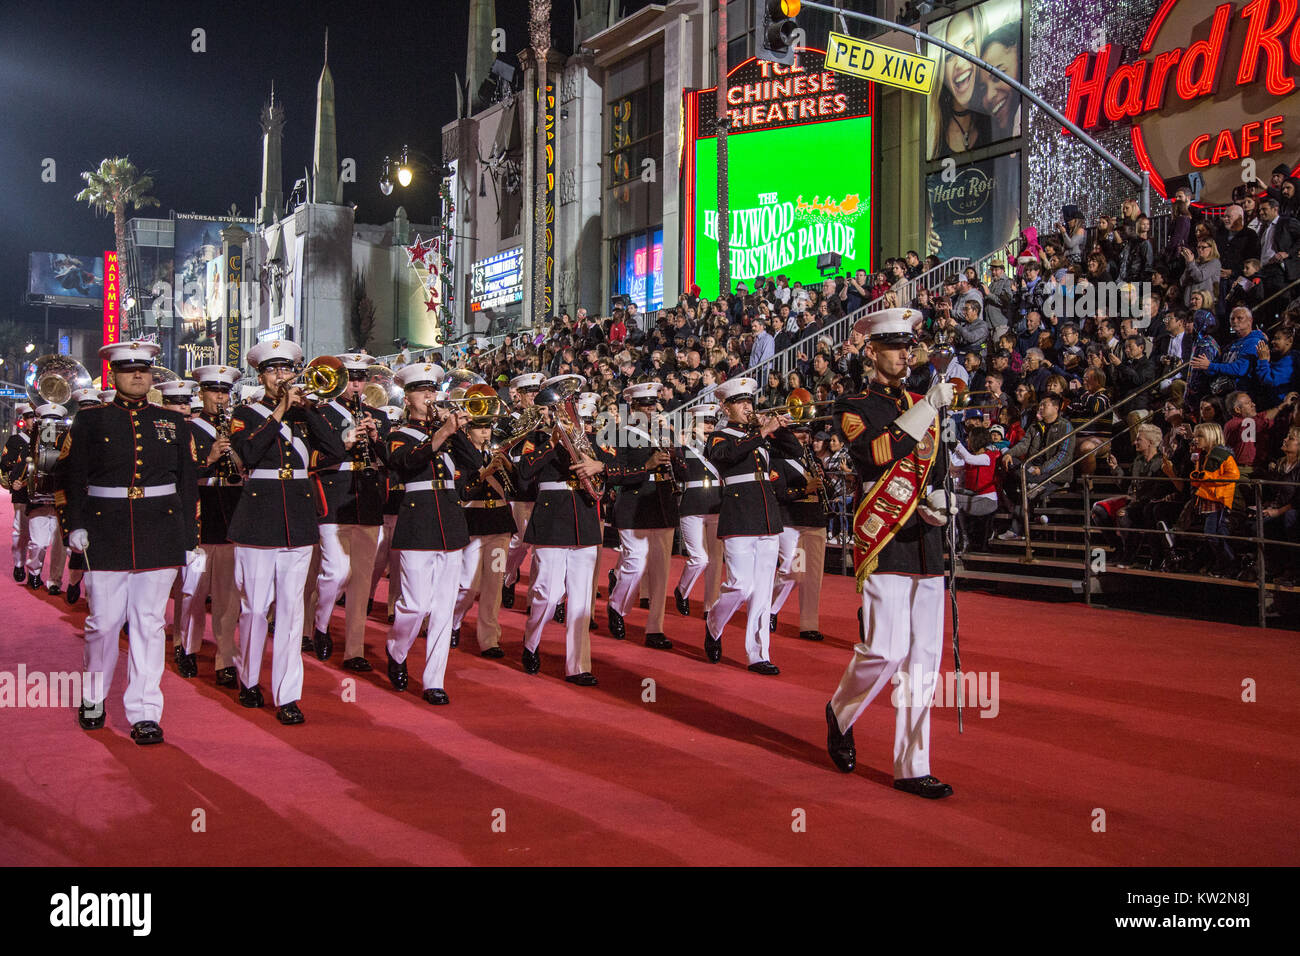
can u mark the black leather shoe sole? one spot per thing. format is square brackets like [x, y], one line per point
[146, 732]
[659, 642]
[250, 697]
[583, 680]
[494, 652]
[532, 662]
[227, 677]
[765, 667]
[324, 645]
[73, 594]
[357, 664]
[928, 787]
[683, 603]
[812, 635]
[839, 745]
[617, 629]
[397, 675]
[289, 715]
[91, 723]
[436, 696]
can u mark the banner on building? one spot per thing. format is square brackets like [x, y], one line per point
[64, 279]
[234, 323]
[199, 307]
[112, 307]
[974, 209]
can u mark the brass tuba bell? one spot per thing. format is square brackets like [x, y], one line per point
[51, 379]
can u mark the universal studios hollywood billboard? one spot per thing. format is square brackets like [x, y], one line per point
[800, 171]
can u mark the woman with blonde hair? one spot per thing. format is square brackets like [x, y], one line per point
[1202, 271]
[1214, 487]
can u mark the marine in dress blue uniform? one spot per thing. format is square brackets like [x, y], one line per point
[699, 507]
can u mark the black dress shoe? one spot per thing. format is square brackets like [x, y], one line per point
[765, 667]
[397, 673]
[34, 582]
[324, 645]
[73, 594]
[178, 654]
[584, 679]
[929, 787]
[359, 664]
[812, 635]
[146, 732]
[55, 590]
[391, 617]
[188, 666]
[712, 646]
[659, 641]
[771, 622]
[532, 661]
[20, 574]
[493, 652]
[507, 595]
[436, 695]
[250, 696]
[455, 637]
[617, 630]
[561, 610]
[226, 677]
[613, 580]
[840, 744]
[683, 602]
[370, 607]
[289, 714]
[91, 718]
[308, 646]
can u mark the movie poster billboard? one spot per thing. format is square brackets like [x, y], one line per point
[970, 108]
[975, 209]
[61, 278]
[197, 297]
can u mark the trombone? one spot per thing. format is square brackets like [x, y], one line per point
[478, 401]
[799, 405]
[323, 377]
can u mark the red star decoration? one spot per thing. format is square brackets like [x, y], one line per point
[420, 251]
[430, 305]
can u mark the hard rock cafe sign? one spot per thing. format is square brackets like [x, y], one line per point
[1210, 94]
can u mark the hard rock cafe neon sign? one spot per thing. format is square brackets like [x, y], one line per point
[1211, 94]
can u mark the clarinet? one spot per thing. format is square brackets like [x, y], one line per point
[228, 470]
[363, 439]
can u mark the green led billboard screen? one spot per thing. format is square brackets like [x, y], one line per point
[795, 192]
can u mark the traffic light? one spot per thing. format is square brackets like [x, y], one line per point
[775, 30]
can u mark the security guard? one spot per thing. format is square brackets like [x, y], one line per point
[274, 525]
[14, 462]
[220, 483]
[524, 498]
[749, 520]
[490, 525]
[354, 490]
[645, 510]
[130, 498]
[892, 436]
[431, 532]
[700, 504]
[801, 554]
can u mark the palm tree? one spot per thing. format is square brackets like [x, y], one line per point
[539, 30]
[111, 188]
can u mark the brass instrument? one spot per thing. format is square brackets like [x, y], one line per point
[562, 399]
[529, 420]
[478, 401]
[160, 375]
[380, 388]
[324, 377]
[799, 405]
[51, 379]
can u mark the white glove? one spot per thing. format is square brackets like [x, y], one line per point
[916, 420]
[78, 540]
[196, 560]
[940, 394]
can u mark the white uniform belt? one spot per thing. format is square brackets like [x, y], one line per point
[484, 504]
[706, 483]
[430, 485]
[742, 479]
[135, 491]
[555, 486]
[276, 474]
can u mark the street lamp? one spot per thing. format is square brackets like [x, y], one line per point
[29, 348]
[404, 169]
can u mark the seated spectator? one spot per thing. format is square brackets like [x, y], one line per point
[1282, 510]
[1214, 477]
[773, 394]
[1235, 367]
[1136, 508]
[973, 332]
[1134, 374]
[1051, 471]
[977, 495]
[1248, 432]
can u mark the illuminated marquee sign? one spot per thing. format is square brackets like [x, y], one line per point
[497, 280]
[1205, 94]
[112, 308]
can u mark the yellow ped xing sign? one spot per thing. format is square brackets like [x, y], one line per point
[881, 64]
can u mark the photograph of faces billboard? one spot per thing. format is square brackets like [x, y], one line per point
[970, 108]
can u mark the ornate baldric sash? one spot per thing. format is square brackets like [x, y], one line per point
[890, 502]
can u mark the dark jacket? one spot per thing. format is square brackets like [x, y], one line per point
[217, 498]
[431, 517]
[744, 459]
[561, 517]
[487, 510]
[353, 483]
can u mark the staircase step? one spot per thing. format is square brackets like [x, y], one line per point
[1025, 579]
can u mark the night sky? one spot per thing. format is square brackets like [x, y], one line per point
[81, 82]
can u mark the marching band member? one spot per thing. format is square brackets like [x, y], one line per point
[107, 395]
[274, 525]
[749, 519]
[220, 485]
[354, 514]
[565, 532]
[588, 409]
[176, 395]
[701, 501]
[44, 538]
[892, 436]
[385, 556]
[14, 462]
[803, 542]
[524, 499]
[646, 512]
[431, 532]
[129, 496]
[490, 526]
[85, 398]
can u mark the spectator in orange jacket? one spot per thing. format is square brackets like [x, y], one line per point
[1214, 476]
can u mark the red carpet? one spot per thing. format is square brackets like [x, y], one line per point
[1138, 716]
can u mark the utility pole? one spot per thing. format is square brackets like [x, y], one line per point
[723, 123]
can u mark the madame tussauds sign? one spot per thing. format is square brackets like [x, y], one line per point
[1210, 93]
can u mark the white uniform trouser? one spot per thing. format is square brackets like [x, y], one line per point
[20, 535]
[217, 579]
[481, 573]
[523, 512]
[703, 553]
[386, 557]
[347, 560]
[647, 552]
[904, 622]
[751, 568]
[310, 591]
[139, 600]
[802, 561]
[263, 575]
[428, 589]
[563, 573]
[43, 535]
